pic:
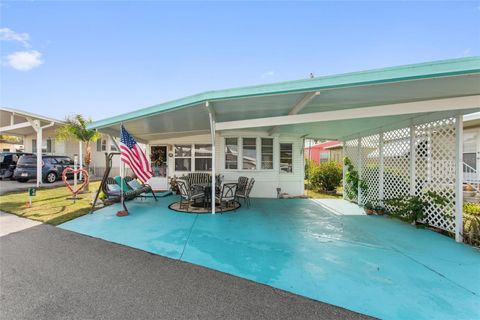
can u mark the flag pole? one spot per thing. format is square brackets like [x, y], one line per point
[123, 211]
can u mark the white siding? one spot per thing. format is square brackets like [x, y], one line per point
[266, 181]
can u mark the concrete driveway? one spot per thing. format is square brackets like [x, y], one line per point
[50, 273]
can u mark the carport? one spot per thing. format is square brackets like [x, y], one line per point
[407, 119]
[21, 124]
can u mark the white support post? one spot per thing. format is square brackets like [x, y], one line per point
[359, 157]
[39, 130]
[211, 116]
[413, 153]
[459, 178]
[381, 192]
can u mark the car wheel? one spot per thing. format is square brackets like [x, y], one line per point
[22, 180]
[51, 177]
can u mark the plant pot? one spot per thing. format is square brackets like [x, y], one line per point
[468, 194]
[368, 211]
[380, 212]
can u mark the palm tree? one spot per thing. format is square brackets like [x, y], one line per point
[75, 128]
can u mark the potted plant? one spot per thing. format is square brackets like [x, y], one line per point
[369, 208]
[468, 191]
[379, 209]
[173, 184]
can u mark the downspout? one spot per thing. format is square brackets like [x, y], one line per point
[211, 115]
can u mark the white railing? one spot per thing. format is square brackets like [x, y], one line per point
[471, 176]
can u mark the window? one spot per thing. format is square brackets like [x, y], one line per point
[267, 153]
[113, 147]
[249, 153]
[34, 145]
[231, 153]
[324, 156]
[286, 156]
[101, 145]
[203, 157]
[183, 158]
[50, 144]
[470, 150]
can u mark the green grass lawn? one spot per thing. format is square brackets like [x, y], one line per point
[49, 205]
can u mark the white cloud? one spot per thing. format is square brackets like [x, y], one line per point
[7, 34]
[24, 60]
[467, 52]
[268, 74]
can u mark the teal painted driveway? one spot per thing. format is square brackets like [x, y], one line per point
[329, 252]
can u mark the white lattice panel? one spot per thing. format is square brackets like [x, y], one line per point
[351, 152]
[370, 168]
[435, 169]
[396, 159]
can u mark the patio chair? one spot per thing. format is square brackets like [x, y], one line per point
[245, 195]
[187, 194]
[143, 188]
[242, 185]
[227, 195]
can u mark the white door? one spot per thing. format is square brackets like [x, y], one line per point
[471, 155]
[158, 161]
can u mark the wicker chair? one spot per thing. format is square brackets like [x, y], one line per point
[188, 195]
[245, 195]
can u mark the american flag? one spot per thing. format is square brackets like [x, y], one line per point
[133, 155]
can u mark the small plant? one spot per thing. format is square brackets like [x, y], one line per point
[471, 223]
[379, 209]
[173, 184]
[369, 208]
[413, 209]
[352, 178]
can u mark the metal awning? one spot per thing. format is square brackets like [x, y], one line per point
[330, 107]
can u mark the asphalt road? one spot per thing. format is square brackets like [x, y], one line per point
[50, 273]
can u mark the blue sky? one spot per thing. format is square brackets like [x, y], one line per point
[105, 58]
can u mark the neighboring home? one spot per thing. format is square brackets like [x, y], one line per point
[9, 145]
[324, 152]
[29, 127]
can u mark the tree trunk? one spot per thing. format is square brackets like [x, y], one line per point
[87, 159]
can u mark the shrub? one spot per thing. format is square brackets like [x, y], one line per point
[310, 166]
[326, 177]
[471, 223]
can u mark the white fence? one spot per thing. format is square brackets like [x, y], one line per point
[407, 161]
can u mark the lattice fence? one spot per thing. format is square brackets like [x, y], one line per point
[416, 160]
[370, 168]
[435, 169]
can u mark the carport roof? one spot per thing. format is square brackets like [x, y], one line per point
[19, 117]
[431, 80]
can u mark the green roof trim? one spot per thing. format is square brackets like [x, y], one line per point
[417, 71]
